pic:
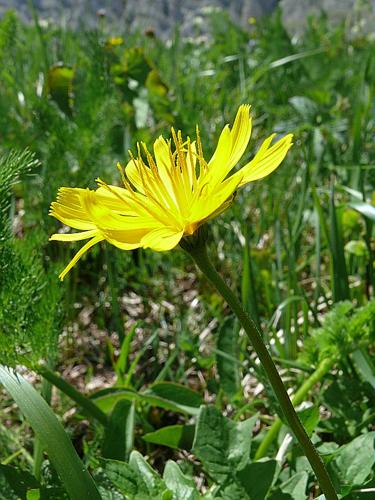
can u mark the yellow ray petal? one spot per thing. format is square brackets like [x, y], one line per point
[240, 135]
[231, 146]
[74, 236]
[69, 209]
[117, 198]
[162, 239]
[222, 151]
[165, 168]
[79, 254]
[132, 172]
[266, 160]
[127, 239]
[161, 152]
[211, 203]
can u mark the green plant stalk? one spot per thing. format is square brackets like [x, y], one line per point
[323, 368]
[199, 254]
[85, 403]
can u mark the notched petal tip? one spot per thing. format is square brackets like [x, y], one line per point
[267, 159]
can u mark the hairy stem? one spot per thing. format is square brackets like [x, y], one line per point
[199, 254]
[299, 396]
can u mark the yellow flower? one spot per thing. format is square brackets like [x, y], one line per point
[166, 196]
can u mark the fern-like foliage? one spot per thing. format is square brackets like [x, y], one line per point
[345, 329]
[30, 316]
[12, 167]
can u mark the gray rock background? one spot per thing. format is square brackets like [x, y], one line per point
[163, 15]
[358, 14]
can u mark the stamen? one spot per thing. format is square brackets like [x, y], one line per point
[121, 170]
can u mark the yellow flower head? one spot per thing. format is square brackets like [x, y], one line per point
[168, 195]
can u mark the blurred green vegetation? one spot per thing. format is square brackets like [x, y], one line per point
[292, 245]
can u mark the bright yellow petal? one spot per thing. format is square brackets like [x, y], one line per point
[266, 160]
[74, 236]
[115, 198]
[162, 239]
[69, 209]
[231, 146]
[131, 233]
[132, 172]
[240, 135]
[222, 153]
[166, 168]
[79, 254]
[161, 152]
[208, 205]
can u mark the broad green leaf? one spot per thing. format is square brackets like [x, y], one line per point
[165, 395]
[364, 208]
[257, 478]
[124, 478]
[15, 483]
[292, 489]
[136, 479]
[74, 476]
[226, 349]
[352, 463]
[231, 489]
[173, 436]
[176, 393]
[296, 486]
[183, 487]
[119, 432]
[222, 445]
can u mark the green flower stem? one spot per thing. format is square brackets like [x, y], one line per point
[199, 254]
[323, 368]
[85, 403]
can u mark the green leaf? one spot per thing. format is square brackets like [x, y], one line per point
[292, 489]
[364, 208]
[296, 486]
[15, 483]
[178, 394]
[352, 463]
[165, 395]
[119, 432]
[173, 436]
[231, 489]
[257, 478]
[309, 418]
[222, 445]
[182, 487]
[226, 349]
[136, 479]
[74, 476]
